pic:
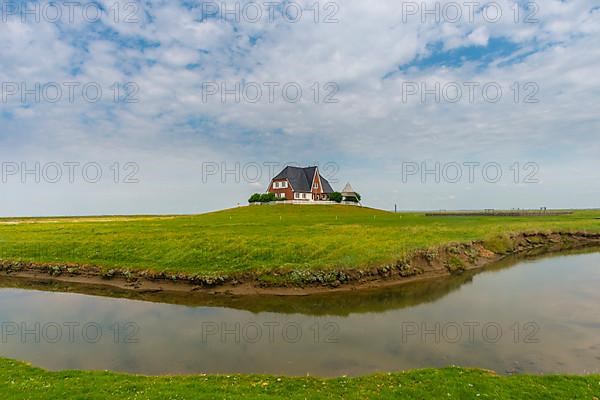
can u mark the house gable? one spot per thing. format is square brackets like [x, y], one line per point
[280, 184]
[316, 186]
[282, 189]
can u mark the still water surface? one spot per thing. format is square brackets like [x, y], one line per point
[534, 316]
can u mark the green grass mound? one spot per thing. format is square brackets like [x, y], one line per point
[259, 238]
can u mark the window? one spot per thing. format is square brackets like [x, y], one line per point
[276, 185]
[296, 195]
[284, 185]
[316, 185]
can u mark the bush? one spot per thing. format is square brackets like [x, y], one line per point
[336, 196]
[263, 198]
[267, 197]
[255, 198]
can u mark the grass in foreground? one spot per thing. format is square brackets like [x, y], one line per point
[20, 381]
[259, 238]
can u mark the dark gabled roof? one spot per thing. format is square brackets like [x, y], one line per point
[301, 179]
[326, 186]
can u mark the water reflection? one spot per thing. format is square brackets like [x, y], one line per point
[537, 316]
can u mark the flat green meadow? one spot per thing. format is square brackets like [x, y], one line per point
[259, 238]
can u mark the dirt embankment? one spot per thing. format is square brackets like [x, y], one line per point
[445, 260]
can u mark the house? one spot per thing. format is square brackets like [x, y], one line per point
[304, 184]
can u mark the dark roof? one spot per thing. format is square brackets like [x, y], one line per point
[301, 179]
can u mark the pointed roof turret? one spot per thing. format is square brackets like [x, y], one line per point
[348, 189]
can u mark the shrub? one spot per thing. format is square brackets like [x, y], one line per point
[263, 198]
[336, 196]
[267, 197]
[255, 198]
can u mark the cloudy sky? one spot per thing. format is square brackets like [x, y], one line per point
[184, 107]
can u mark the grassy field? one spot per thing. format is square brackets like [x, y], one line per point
[258, 238]
[19, 381]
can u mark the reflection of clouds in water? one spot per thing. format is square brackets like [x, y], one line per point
[556, 293]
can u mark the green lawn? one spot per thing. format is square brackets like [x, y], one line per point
[258, 238]
[19, 381]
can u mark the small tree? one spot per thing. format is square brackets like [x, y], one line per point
[335, 196]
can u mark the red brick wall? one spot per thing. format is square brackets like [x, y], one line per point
[289, 193]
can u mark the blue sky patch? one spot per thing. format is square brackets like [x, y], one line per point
[483, 55]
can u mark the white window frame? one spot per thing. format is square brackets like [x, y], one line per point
[284, 185]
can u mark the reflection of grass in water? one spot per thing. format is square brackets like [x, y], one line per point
[337, 303]
[19, 381]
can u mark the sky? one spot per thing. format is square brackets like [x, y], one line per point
[163, 107]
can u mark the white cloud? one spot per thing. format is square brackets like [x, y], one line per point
[479, 36]
[369, 132]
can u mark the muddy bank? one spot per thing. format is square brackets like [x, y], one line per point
[329, 303]
[450, 259]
